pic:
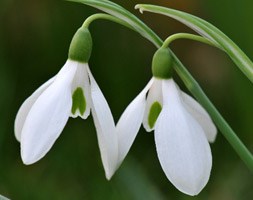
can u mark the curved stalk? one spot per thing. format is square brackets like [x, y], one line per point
[94, 17]
[188, 36]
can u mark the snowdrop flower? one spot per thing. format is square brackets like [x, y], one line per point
[72, 92]
[182, 128]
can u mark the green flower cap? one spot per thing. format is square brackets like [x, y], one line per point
[81, 46]
[162, 64]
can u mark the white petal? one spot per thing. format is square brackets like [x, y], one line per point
[201, 116]
[26, 106]
[130, 122]
[48, 116]
[182, 147]
[81, 80]
[106, 131]
[154, 95]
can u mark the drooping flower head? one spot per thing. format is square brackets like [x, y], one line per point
[182, 128]
[72, 92]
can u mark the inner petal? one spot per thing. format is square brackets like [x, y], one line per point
[154, 104]
[81, 93]
[154, 112]
[78, 102]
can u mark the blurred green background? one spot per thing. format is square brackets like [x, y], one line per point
[34, 40]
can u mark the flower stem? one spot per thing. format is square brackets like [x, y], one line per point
[94, 17]
[189, 36]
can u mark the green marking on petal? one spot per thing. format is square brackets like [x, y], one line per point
[78, 101]
[154, 112]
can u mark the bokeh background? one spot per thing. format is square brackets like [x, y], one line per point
[34, 40]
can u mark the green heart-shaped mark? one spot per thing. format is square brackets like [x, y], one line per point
[78, 101]
[154, 112]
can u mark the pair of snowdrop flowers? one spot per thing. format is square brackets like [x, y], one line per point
[182, 128]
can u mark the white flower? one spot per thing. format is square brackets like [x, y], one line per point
[72, 92]
[182, 129]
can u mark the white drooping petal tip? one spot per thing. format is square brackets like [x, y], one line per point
[48, 116]
[201, 116]
[182, 148]
[106, 130]
[26, 107]
[130, 122]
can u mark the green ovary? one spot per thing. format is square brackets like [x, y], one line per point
[78, 101]
[154, 112]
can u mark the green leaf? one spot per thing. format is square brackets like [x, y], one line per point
[208, 31]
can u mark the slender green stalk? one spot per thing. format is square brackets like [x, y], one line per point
[94, 17]
[123, 14]
[183, 73]
[189, 37]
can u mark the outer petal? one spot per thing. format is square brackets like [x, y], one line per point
[105, 126]
[48, 116]
[182, 147]
[154, 94]
[202, 117]
[130, 122]
[82, 80]
[26, 106]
